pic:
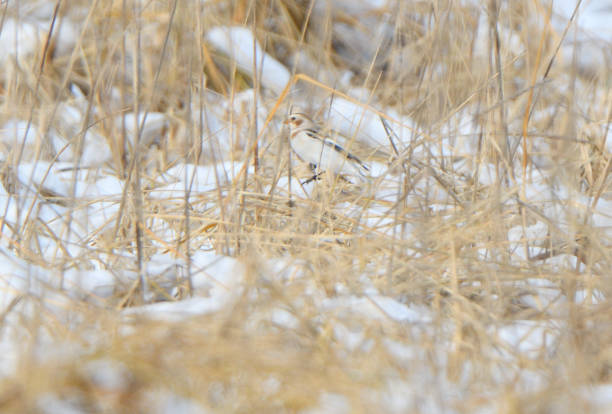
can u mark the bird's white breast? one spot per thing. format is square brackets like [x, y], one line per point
[326, 157]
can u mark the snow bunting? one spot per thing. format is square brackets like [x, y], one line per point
[322, 153]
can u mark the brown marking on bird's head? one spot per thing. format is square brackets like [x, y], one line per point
[296, 119]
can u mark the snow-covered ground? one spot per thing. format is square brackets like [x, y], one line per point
[397, 335]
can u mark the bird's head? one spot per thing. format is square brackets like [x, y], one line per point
[298, 120]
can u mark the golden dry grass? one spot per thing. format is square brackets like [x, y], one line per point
[491, 330]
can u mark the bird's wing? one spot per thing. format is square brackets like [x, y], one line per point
[315, 135]
[348, 155]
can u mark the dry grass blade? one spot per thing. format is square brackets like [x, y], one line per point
[163, 249]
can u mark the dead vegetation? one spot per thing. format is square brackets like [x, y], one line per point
[489, 311]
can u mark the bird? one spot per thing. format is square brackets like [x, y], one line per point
[321, 152]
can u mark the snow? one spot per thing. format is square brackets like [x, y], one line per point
[60, 208]
[239, 44]
[166, 402]
[150, 126]
[20, 38]
[200, 179]
[218, 278]
[600, 395]
[535, 236]
[533, 339]
[355, 7]
[107, 374]
[95, 148]
[49, 403]
[177, 311]
[16, 134]
[330, 403]
[97, 283]
[374, 307]
[398, 311]
[593, 16]
[348, 117]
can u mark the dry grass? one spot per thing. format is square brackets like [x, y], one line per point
[440, 245]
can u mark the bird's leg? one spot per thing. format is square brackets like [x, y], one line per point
[316, 176]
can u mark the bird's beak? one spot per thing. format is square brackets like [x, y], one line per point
[286, 122]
